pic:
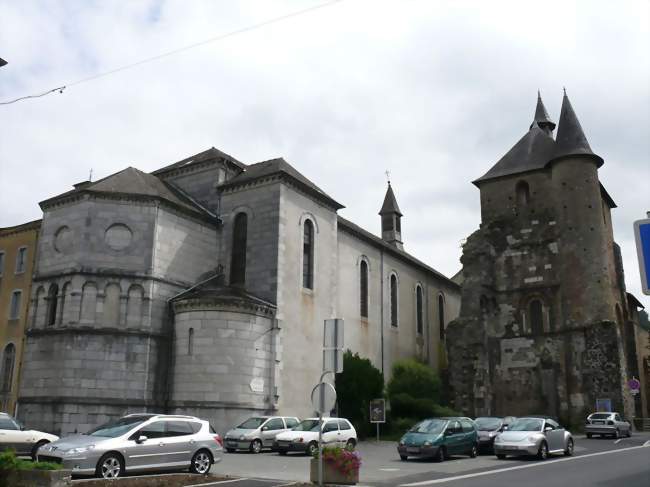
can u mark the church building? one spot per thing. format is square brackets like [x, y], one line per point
[201, 288]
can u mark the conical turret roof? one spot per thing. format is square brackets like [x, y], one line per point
[542, 118]
[390, 203]
[571, 140]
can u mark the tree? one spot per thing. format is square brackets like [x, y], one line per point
[359, 382]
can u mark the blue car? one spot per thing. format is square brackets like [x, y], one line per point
[440, 438]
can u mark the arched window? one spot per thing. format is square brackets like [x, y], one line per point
[363, 289]
[14, 305]
[88, 303]
[419, 324]
[134, 306]
[52, 301]
[393, 301]
[523, 193]
[308, 255]
[441, 316]
[112, 305]
[8, 360]
[190, 341]
[535, 310]
[238, 255]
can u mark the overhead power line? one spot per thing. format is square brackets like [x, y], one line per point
[176, 51]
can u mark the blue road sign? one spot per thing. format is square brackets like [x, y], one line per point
[642, 235]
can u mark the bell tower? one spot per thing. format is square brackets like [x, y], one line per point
[391, 226]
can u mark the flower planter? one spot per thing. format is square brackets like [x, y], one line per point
[35, 478]
[331, 475]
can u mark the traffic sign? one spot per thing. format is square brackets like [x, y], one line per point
[378, 411]
[634, 384]
[642, 237]
[323, 397]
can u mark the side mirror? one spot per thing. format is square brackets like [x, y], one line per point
[449, 432]
[265, 428]
[504, 427]
[141, 439]
[547, 429]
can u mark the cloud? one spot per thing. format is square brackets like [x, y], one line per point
[436, 92]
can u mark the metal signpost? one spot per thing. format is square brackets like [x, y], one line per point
[378, 413]
[642, 237]
[323, 396]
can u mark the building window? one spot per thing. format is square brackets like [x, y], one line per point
[535, 310]
[363, 289]
[419, 325]
[393, 301]
[387, 223]
[8, 360]
[238, 256]
[2, 262]
[523, 193]
[21, 258]
[52, 297]
[441, 316]
[190, 341]
[308, 256]
[14, 306]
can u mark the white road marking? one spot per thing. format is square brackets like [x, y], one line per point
[389, 469]
[218, 482]
[618, 441]
[520, 467]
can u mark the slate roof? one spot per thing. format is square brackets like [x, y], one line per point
[279, 166]
[542, 118]
[571, 140]
[211, 153]
[132, 181]
[215, 287]
[390, 203]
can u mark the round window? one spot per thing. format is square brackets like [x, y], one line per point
[63, 240]
[118, 236]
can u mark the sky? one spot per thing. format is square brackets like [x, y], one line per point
[435, 92]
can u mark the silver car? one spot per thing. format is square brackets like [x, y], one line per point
[258, 432]
[138, 442]
[607, 424]
[533, 436]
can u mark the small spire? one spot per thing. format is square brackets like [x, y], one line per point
[542, 119]
[571, 140]
[390, 203]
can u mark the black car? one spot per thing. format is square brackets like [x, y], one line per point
[488, 429]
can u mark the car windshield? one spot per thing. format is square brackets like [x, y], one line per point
[429, 426]
[488, 424]
[307, 425]
[252, 423]
[526, 424]
[113, 429]
[599, 416]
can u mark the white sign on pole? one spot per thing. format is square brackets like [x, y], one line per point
[333, 335]
[333, 361]
[323, 397]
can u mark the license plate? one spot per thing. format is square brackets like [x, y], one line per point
[412, 450]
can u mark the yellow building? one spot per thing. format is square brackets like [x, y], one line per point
[17, 257]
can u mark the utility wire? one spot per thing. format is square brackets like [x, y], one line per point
[176, 51]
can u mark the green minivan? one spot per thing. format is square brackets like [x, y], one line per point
[440, 438]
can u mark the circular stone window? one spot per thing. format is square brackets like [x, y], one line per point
[118, 236]
[63, 240]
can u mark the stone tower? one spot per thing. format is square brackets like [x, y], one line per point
[391, 220]
[544, 310]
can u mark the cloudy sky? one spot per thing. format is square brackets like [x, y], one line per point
[434, 91]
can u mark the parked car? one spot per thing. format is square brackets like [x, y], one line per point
[138, 442]
[23, 441]
[533, 436]
[258, 432]
[440, 438]
[489, 428]
[607, 424]
[304, 437]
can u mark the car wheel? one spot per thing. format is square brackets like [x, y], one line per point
[201, 462]
[256, 446]
[629, 432]
[568, 451]
[36, 447]
[542, 453]
[589, 435]
[441, 455]
[312, 448]
[110, 466]
[350, 445]
[617, 434]
[501, 457]
[282, 452]
[403, 458]
[474, 451]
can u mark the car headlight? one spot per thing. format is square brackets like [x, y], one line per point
[427, 443]
[81, 449]
[492, 434]
[532, 439]
[402, 442]
[298, 440]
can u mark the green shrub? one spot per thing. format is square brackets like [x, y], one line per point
[10, 462]
[415, 379]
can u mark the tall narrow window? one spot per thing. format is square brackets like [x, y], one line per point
[536, 316]
[8, 360]
[190, 341]
[308, 256]
[14, 306]
[363, 289]
[441, 316]
[393, 300]
[419, 326]
[238, 256]
[52, 297]
[523, 193]
[21, 257]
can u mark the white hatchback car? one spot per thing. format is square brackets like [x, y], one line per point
[23, 441]
[304, 437]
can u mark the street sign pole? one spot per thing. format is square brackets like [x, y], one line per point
[642, 237]
[320, 449]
